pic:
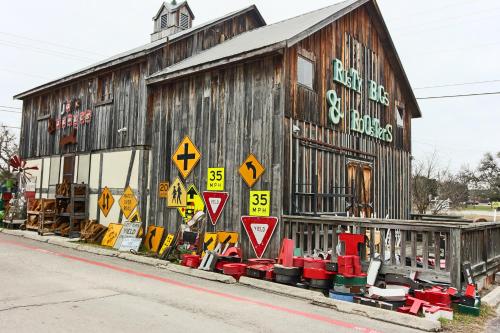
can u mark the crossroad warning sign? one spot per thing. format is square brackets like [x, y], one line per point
[128, 202]
[260, 203]
[111, 234]
[177, 194]
[106, 201]
[163, 190]
[186, 156]
[153, 238]
[215, 179]
[259, 231]
[251, 170]
[194, 204]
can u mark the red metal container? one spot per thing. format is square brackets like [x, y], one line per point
[316, 274]
[314, 263]
[191, 260]
[235, 270]
[298, 262]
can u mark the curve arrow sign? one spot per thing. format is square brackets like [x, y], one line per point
[250, 166]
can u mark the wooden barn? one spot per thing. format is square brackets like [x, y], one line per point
[321, 100]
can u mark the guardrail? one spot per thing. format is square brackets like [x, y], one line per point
[407, 246]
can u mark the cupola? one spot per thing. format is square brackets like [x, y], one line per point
[171, 18]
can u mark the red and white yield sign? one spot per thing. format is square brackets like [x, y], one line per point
[215, 202]
[259, 230]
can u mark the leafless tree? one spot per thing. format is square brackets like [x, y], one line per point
[425, 181]
[8, 148]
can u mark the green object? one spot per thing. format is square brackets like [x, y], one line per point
[297, 252]
[9, 183]
[2, 213]
[470, 310]
[354, 281]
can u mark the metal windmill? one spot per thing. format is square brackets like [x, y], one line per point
[19, 167]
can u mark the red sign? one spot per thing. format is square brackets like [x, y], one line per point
[259, 229]
[215, 202]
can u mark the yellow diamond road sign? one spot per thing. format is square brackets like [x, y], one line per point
[128, 202]
[186, 156]
[251, 170]
[106, 201]
[194, 204]
[176, 194]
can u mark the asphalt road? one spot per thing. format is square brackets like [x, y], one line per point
[46, 288]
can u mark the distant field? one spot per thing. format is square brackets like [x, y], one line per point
[478, 208]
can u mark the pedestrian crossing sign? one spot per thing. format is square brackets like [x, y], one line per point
[177, 194]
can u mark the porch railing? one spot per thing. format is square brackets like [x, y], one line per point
[436, 250]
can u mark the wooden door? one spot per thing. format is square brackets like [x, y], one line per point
[69, 169]
[359, 181]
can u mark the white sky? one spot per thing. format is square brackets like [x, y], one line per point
[439, 42]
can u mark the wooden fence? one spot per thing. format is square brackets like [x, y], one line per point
[407, 245]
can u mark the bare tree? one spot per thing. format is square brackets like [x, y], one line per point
[8, 148]
[425, 177]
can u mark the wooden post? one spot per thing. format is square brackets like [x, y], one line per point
[456, 258]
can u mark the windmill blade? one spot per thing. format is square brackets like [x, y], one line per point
[31, 168]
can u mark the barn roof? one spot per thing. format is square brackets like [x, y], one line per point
[137, 52]
[275, 37]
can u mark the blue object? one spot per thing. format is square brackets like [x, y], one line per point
[341, 296]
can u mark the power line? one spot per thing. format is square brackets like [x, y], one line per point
[10, 107]
[50, 43]
[461, 95]
[9, 111]
[45, 51]
[456, 84]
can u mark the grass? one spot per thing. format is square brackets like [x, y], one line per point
[479, 208]
[463, 323]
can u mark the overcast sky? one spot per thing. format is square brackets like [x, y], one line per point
[439, 42]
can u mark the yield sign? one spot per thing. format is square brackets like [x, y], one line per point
[215, 202]
[186, 156]
[259, 230]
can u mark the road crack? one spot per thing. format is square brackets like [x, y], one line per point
[57, 303]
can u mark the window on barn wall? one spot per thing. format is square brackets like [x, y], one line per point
[305, 72]
[164, 21]
[184, 21]
[399, 116]
[44, 106]
[83, 169]
[105, 89]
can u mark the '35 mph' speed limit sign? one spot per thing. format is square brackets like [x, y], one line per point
[260, 203]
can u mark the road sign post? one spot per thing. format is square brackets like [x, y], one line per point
[106, 201]
[215, 202]
[128, 202]
[186, 157]
[177, 194]
[251, 170]
[259, 230]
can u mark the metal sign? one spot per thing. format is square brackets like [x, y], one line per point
[111, 235]
[128, 202]
[106, 201]
[186, 156]
[163, 190]
[260, 203]
[209, 241]
[135, 217]
[251, 170]
[177, 194]
[215, 179]
[215, 202]
[194, 204]
[167, 243]
[130, 244]
[227, 237]
[495, 204]
[129, 230]
[153, 238]
[259, 231]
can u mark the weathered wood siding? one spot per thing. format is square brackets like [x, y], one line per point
[228, 113]
[355, 41]
[129, 97]
[183, 48]
[128, 108]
